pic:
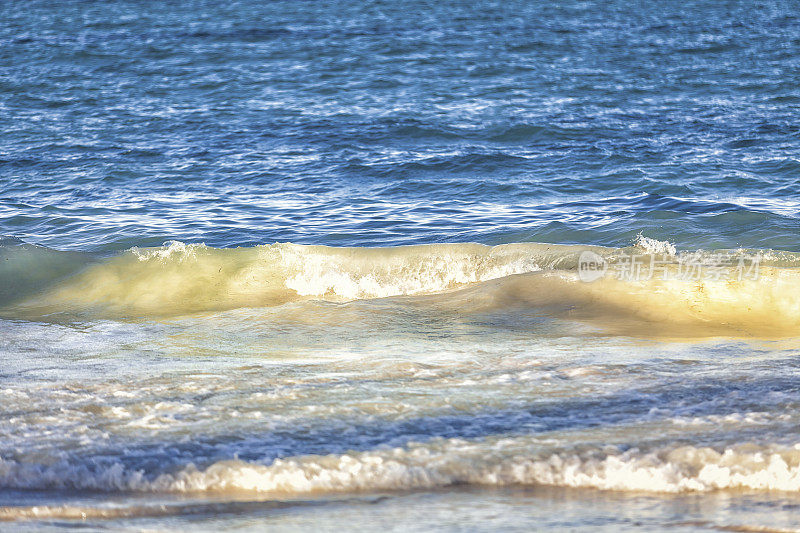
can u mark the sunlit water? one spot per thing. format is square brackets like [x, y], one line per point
[316, 265]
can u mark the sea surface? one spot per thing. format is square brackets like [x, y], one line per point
[399, 266]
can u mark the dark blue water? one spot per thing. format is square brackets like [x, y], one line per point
[385, 123]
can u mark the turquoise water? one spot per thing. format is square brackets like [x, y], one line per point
[318, 265]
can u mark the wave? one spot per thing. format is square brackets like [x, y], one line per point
[494, 462]
[180, 278]
[765, 307]
[26, 269]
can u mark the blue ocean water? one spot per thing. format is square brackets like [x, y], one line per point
[388, 123]
[320, 265]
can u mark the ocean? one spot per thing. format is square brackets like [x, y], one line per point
[399, 266]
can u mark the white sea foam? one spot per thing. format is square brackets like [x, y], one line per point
[170, 250]
[448, 462]
[417, 270]
[654, 246]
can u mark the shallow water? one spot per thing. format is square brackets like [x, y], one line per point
[306, 265]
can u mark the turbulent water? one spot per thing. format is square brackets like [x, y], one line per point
[399, 265]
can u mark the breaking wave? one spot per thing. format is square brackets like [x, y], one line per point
[499, 462]
[181, 278]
